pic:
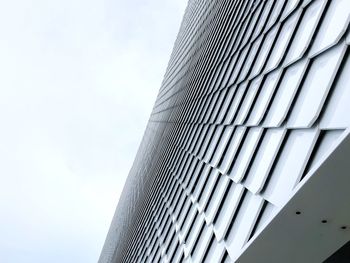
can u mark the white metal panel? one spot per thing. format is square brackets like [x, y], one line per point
[200, 184]
[177, 208]
[222, 144]
[172, 246]
[195, 175]
[213, 143]
[226, 104]
[194, 232]
[216, 252]
[228, 72]
[285, 94]
[178, 255]
[290, 6]
[265, 95]
[191, 171]
[282, 41]
[269, 212]
[201, 133]
[218, 104]
[290, 166]
[228, 210]
[315, 88]
[242, 162]
[208, 188]
[232, 67]
[333, 25]
[264, 51]
[248, 101]
[264, 16]
[235, 103]
[238, 66]
[264, 159]
[194, 136]
[184, 213]
[243, 224]
[324, 147]
[216, 199]
[202, 245]
[252, 25]
[277, 10]
[188, 220]
[205, 143]
[231, 149]
[248, 62]
[305, 31]
[336, 114]
[222, 76]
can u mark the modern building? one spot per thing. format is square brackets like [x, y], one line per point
[246, 155]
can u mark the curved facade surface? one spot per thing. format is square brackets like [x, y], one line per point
[246, 154]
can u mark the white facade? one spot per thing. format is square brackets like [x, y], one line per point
[247, 151]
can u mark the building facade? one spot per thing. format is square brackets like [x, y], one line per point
[246, 154]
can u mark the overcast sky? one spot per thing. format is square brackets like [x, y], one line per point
[78, 79]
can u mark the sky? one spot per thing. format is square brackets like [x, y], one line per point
[78, 79]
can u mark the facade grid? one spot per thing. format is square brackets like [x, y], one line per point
[252, 111]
